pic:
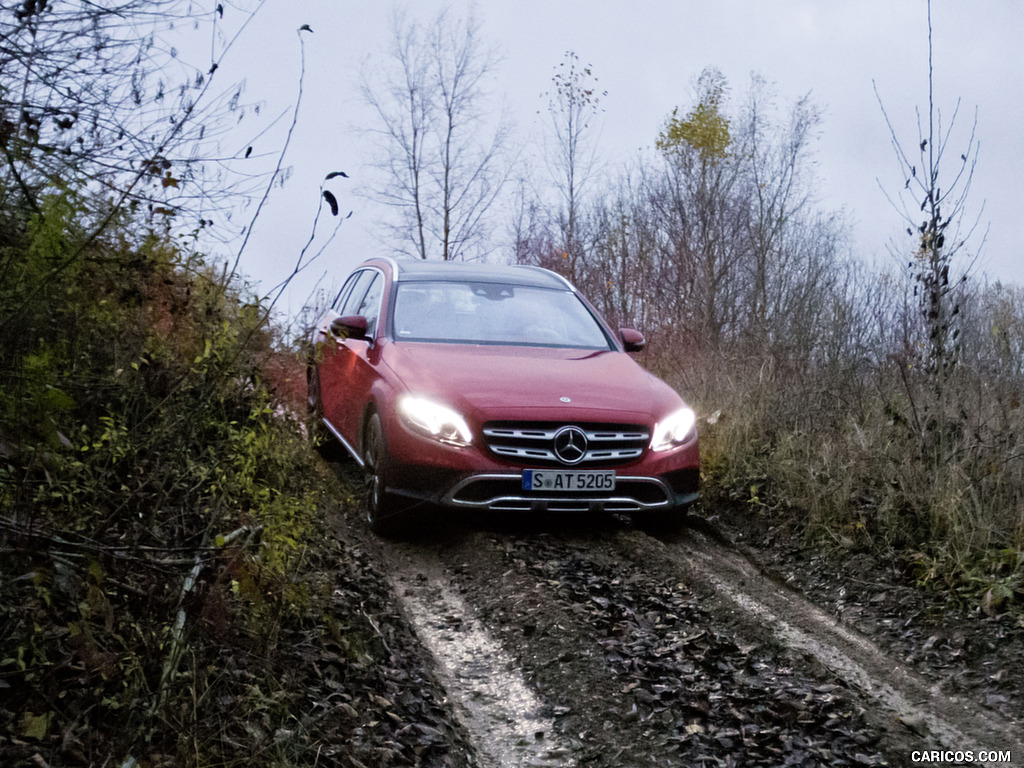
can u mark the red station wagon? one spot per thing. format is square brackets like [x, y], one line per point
[475, 386]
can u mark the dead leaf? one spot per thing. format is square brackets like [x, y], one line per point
[35, 726]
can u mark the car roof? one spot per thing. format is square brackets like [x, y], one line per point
[421, 270]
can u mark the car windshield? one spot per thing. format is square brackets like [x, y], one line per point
[494, 313]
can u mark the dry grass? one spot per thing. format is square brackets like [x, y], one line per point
[873, 459]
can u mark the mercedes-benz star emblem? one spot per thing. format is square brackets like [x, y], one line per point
[570, 445]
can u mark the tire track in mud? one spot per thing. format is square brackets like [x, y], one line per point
[500, 712]
[946, 722]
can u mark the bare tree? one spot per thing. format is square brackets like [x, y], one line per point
[572, 106]
[776, 164]
[937, 199]
[401, 97]
[101, 121]
[938, 202]
[699, 203]
[98, 93]
[437, 174]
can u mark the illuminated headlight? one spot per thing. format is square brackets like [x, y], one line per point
[673, 430]
[434, 420]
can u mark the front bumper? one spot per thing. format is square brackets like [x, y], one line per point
[504, 492]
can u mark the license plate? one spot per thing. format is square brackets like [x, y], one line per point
[563, 480]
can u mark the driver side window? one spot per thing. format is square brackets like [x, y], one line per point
[364, 299]
[345, 292]
[352, 302]
[369, 307]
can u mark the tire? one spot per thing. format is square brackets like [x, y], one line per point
[383, 513]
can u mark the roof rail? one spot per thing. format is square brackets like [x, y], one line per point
[547, 271]
[388, 259]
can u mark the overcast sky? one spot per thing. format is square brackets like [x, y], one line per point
[647, 55]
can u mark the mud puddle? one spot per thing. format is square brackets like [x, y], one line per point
[501, 713]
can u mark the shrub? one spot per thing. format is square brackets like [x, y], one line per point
[159, 509]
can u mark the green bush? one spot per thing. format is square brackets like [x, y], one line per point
[159, 511]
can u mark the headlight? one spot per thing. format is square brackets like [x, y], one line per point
[434, 420]
[673, 430]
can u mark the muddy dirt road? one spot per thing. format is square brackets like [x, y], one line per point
[598, 644]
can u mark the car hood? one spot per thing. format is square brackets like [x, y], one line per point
[512, 383]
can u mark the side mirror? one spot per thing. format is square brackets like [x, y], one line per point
[632, 341]
[349, 327]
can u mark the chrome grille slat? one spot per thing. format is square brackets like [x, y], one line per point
[521, 434]
[600, 436]
[527, 453]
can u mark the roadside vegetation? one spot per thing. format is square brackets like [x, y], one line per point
[174, 585]
[154, 522]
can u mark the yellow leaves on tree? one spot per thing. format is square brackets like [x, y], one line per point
[704, 129]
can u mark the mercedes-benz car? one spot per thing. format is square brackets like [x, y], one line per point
[487, 387]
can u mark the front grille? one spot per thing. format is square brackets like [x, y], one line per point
[530, 443]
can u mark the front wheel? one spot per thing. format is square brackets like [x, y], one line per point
[382, 511]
